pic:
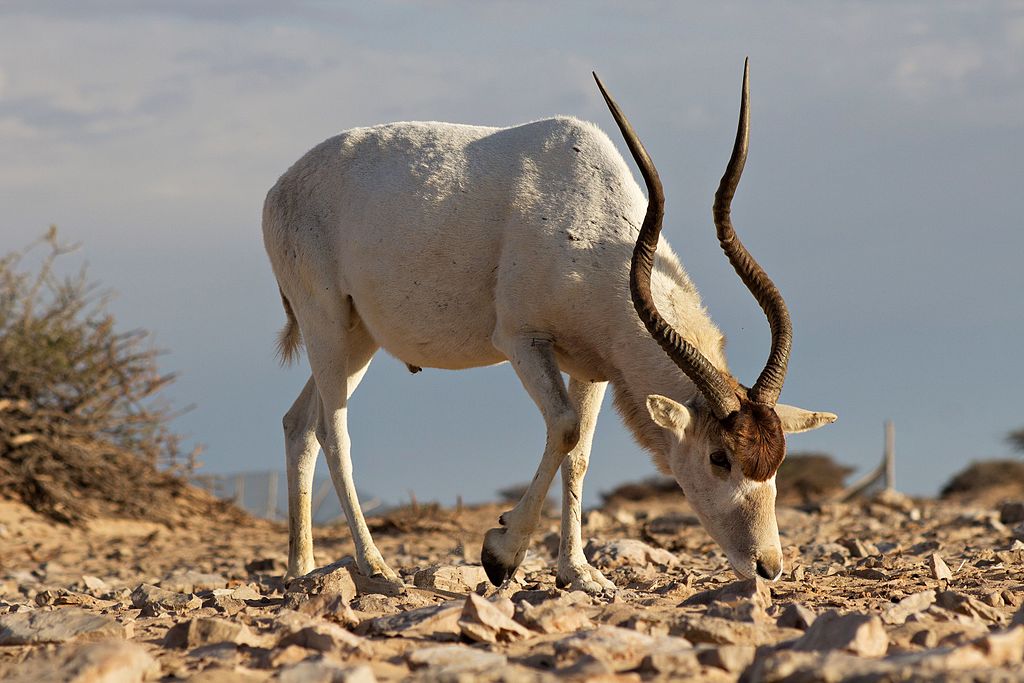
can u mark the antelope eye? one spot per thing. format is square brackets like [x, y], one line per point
[720, 459]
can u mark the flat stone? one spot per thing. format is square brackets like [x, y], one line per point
[671, 656]
[95, 584]
[912, 604]
[860, 634]
[731, 658]
[330, 607]
[58, 626]
[486, 622]
[967, 605]
[619, 649]
[192, 581]
[324, 637]
[452, 578]
[342, 578]
[756, 590]
[439, 622]
[1003, 648]
[859, 549]
[718, 631]
[153, 601]
[795, 615]
[318, 670]
[561, 615]
[446, 660]
[814, 667]
[740, 610]
[627, 551]
[105, 662]
[209, 631]
[333, 579]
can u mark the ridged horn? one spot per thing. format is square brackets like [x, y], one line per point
[769, 383]
[718, 393]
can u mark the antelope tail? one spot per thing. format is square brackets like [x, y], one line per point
[289, 340]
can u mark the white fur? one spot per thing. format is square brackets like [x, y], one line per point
[455, 246]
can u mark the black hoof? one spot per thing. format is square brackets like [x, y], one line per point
[497, 571]
[560, 584]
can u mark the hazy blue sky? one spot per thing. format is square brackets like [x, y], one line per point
[884, 193]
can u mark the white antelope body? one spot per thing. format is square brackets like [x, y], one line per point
[455, 246]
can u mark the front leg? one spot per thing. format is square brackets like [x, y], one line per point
[574, 572]
[533, 359]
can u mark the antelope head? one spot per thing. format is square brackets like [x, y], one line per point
[727, 444]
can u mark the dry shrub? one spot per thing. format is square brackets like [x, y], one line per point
[980, 477]
[82, 429]
[651, 488]
[416, 518]
[809, 477]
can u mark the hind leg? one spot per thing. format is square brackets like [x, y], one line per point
[301, 448]
[340, 350]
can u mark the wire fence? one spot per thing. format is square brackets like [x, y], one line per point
[265, 494]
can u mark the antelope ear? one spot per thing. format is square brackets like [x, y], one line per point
[668, 414]
[795, 420]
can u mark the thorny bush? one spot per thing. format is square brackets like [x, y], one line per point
[82, 425]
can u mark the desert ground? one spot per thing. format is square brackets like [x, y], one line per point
[885, 588]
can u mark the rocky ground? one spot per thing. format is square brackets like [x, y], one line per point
[890, 589]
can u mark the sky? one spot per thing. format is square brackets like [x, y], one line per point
[883, 194]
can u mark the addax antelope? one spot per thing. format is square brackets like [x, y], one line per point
[454, 246]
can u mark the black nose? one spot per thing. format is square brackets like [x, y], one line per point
[763, 572]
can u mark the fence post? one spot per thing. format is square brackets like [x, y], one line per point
[271, 510]
[240, 490]
[890, 455]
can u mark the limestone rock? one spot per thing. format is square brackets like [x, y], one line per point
[330, 607]
[912, 604]
[563, 614]
[795, 615]
[453, 578]
[487, 622]
[95, 584]
[448, 660]
[209, 631]
[860, 634]
[624, 552]
[104, 662]
[340, 578]
[671, 657]
[153, 600]
[439, 622]
[317, 670]
[38, 626]
[192, 581]
[1003, 648]
[938, 567]
[323, 636]
[619, 649]
[968, 606]
[731, 658]
[333, 579]
[755, 590]
[740, 610]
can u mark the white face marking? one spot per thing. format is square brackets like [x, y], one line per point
[738, 512]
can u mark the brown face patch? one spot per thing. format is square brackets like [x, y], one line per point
[754, 435]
